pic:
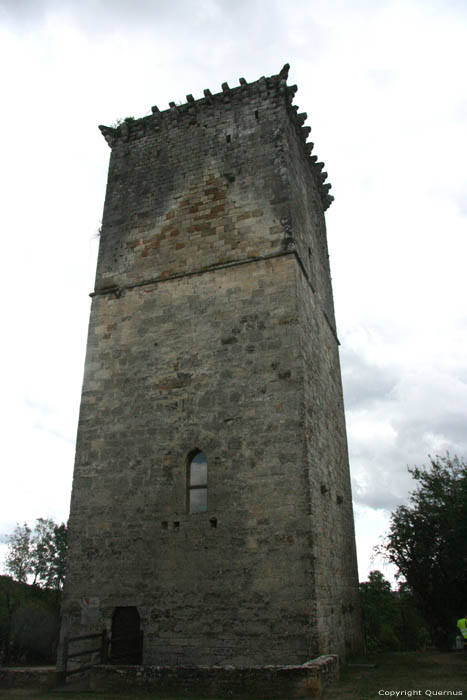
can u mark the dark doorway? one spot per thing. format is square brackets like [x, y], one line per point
[127, 637]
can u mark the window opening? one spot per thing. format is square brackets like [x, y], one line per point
[197, 483]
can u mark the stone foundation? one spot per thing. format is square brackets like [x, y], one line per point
[221, 681]
[40, 678]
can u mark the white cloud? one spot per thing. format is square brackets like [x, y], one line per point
[368, 523]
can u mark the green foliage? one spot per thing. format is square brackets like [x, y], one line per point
[413, 630]
[29, 615]
[119, 122]
[18, 560]
[59, 561]
[29, 622]
[391, 620]
[34, 633]
[40, 553]
[427, 541]
[379, 613]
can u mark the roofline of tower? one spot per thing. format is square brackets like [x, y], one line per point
[265, 86]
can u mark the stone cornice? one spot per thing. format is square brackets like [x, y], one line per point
[263, 89]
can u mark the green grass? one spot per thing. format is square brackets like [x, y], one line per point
[411, 671]
[417, 671]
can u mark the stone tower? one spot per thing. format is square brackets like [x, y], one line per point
[211, 503]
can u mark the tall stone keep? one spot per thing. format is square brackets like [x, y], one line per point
[211, 505]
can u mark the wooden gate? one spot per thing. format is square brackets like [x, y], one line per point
[99, 648]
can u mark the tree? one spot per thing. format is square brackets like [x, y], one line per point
[59, 562]
[49, 546]
[29, 622]
[380, 614]
[390, 618]
[40, 553]
[18, 560]
[427, 541]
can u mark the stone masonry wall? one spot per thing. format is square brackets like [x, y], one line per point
[335, 570]
[188, 374]
[307, 680]
[191, 192]
[198, 339]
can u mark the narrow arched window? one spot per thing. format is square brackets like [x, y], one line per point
[197, 482]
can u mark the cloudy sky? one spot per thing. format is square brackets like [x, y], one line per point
[384, 85]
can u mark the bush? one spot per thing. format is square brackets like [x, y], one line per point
[391, 620]
[29, 623]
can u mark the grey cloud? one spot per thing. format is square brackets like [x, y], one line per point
[93, 18]
[363, 382]
[196, 32]
[22, 13]
[381, 78]
[461, 202]
[96, 16]
[37, 10]
[397, 415]
[454, 428]
[54, 433]
[380, 478]
[382, 495]
[380, 474]
[446, 432]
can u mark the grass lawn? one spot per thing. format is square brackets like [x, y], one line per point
[419, 674]
[412, 671]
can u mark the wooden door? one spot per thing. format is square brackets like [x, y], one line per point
[127, 637]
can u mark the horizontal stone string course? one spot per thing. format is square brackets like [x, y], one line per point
[117, 291]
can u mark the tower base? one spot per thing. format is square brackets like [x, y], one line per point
[221, 681]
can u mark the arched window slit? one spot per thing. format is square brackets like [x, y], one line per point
[197, 482]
